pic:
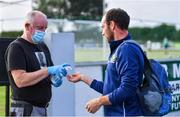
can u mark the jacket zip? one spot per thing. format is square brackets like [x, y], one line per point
[124, 111]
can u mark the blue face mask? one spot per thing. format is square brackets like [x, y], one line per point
[38, 36]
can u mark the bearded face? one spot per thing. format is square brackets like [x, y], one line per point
[106, 30]
[109, 34]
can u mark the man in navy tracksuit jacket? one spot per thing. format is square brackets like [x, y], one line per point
[124, 70]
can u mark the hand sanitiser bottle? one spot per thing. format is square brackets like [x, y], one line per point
[57, 79]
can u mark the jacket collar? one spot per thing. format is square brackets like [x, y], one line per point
[114, 44]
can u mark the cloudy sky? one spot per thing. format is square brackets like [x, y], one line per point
[142, 12]
[149, 12]
[12, 14]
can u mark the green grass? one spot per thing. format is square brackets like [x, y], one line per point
[97, 55]
[177, 45]
[2, 101]
[89, 55]
[162, 54]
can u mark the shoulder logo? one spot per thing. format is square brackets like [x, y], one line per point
[113, 59]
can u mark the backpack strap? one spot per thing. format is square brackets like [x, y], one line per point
[147, 64]
[146, 61]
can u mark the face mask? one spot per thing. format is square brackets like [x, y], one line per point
[38, 36]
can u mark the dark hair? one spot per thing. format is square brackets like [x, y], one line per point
[119, 16]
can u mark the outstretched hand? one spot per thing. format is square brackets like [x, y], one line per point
[76, 77]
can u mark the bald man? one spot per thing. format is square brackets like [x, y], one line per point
[30, 68]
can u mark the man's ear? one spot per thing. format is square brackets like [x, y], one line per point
[27, 26]
[112, 25]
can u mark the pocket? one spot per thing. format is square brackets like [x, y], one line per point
[38, 111]
[17, 111]
[20, 108]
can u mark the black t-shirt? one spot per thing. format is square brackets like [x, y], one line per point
[29, 57]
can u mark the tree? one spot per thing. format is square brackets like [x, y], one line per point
[71, 9]
[155, 34]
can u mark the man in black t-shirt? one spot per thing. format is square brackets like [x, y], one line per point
[30, 68]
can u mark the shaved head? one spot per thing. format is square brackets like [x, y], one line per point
[31, 16]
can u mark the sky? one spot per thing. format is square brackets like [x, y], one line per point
[149, 12]
[142, 12]
[12, 15]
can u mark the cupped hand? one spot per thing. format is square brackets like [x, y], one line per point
[76, 77]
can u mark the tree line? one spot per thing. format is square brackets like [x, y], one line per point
[93, 10]
[142, 34]
[157, 33]
[71, 9]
